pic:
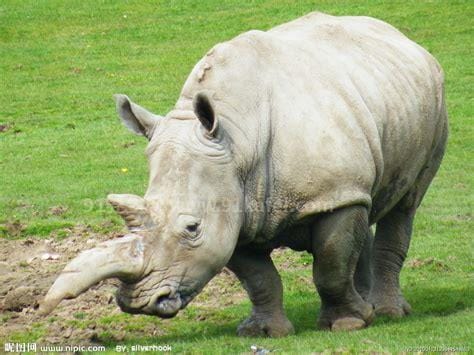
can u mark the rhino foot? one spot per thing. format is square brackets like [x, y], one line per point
[258, 326]
[395, 307]
[347, 318]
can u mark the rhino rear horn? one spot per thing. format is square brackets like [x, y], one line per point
[131, 208]
[122, 258]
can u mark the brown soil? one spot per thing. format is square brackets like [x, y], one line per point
[28, 267]
[4, 127]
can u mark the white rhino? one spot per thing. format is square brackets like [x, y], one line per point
[301, 136]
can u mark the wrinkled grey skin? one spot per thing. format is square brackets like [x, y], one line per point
[303, 136]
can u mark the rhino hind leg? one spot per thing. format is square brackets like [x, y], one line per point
[338, 238]
[363, 276]
[261, 280]
[392, 239]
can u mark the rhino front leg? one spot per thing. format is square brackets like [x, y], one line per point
[338, 238]
[262, 282]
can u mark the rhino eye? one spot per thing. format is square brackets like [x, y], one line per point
[192, 228]
[188, 226]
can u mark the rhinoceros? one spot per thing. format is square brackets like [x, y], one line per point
[302, 136]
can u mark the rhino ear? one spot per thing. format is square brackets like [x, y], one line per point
[205, 112]
[134, 117]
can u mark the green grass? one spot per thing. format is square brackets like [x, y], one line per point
[61, 61]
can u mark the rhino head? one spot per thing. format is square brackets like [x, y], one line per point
[182, 232]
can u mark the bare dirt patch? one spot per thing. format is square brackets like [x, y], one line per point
[418, 263]
[28, 267]
[57, 210]
[14, 228]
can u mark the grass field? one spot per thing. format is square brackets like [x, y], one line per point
[62, 150]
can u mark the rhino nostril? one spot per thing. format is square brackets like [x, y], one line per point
[161, 299]
[167, 306]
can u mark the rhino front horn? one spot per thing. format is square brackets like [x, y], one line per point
[122, 258]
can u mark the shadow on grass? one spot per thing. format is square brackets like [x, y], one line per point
[188, 333]
[440, 301]
[302, 309]
[427, 302]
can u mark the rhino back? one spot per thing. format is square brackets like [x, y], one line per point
[325, 111]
